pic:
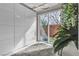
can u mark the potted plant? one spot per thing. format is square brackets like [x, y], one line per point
[69, 28]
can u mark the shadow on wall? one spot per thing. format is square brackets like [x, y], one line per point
[28, 38]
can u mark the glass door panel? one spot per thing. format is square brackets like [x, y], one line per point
[44, 27]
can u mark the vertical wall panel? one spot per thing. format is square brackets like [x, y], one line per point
[6, 28]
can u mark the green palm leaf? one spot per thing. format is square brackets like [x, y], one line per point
[69, 28]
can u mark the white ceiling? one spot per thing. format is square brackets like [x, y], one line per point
[41, 7]
[34, 5]
[21, 10]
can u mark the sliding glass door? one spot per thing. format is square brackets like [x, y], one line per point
[49, 25]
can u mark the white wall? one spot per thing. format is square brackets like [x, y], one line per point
[24, 19]
[78, 25]
[14, 37]
[6, 28]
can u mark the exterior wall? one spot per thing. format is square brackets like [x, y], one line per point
[53, 29]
